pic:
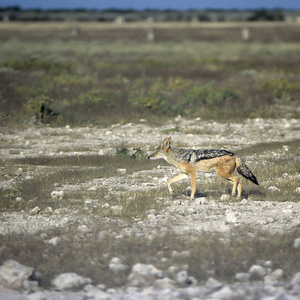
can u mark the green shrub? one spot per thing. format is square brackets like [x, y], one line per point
[154, 103]
[37, 64]
[104, 97]
[206, 97]
[178, 83]
[36, 89]
[138, 153]
[153, 98]
[34, 104]
[280, 90]
[125, 153]
[67, 79]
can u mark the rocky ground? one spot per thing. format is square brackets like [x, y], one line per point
[210, 212]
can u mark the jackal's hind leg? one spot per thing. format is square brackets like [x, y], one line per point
[239, 188]
[227, 174]
[236, 186]
[235, 182]
[179, 177]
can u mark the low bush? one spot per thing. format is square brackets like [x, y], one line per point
[152, 99]
[214, 100]
[35, 104]
[33, 63]
[103, 97]
[281, 91]
[124, 152]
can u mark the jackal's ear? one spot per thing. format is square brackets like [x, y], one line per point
[166, 142]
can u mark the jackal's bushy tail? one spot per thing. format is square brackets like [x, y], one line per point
[245, 171]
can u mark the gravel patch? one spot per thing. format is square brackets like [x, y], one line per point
[207, 213]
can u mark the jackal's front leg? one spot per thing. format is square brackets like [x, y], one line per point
[179, 177]
[193, 184]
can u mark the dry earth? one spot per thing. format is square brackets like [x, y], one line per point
[211, 211]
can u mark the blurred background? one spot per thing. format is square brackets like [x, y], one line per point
[100, 62]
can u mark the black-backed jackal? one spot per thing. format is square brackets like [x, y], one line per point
[189, 161]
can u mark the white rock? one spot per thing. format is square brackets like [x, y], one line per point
[273, 189]
[172, 270]
[190, 211]
[297, 190]
[178, 118]
[242, 277]
[267, 264]
[143, 275]
[261, 222]
[164, 283]
[175, 254]
[295, 282]
[244, 201]
[68, 281]
[182, 277]
[19, 172]
[213, 284]
[35, 211]
[224, 294]
[91, 291]
[297, 243]
[185, 253]
[116, 210]
[225, 197]
[144, 269]
[257, 271]
[54, 241]
[151, 217]
[277, 274]
[57, 195]
[48, 210]
[83, 228]
[230, 217]
[122, 171]
[92, 189]
[13, 275]
[117, 265]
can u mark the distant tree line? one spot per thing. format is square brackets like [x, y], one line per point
[15, 13]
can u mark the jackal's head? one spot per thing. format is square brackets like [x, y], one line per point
[162, 150]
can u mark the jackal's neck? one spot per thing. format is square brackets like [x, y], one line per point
[174, 156]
